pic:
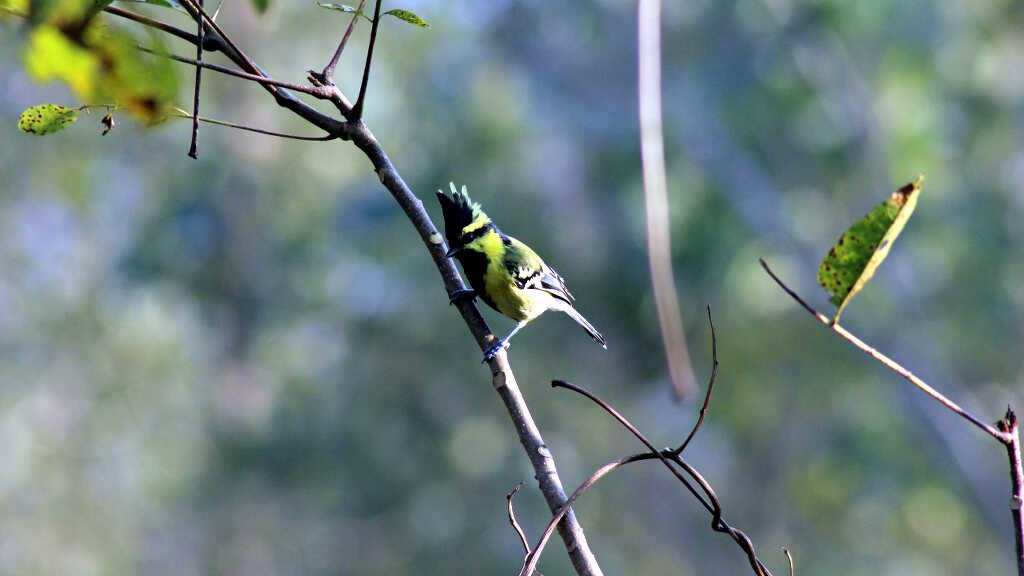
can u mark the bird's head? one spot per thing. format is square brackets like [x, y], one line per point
[464, 221]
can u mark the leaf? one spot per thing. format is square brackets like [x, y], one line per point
[14, 7]
[46, 119]
[338, 7]
[49, 55]
[261, 5]
[407, 16]
[853, 260]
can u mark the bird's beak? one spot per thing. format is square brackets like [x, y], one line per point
[453, 251]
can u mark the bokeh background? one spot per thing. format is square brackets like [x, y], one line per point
[246, 364]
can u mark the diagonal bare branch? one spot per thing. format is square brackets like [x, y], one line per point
[503, 379]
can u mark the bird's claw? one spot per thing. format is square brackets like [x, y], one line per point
[459, 295]
[494, 349]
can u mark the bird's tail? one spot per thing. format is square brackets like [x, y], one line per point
[586, 326]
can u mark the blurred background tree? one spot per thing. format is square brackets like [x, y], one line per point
[217, 366]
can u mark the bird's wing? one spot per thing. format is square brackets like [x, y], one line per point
[529, 271]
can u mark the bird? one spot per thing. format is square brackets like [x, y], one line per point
[504, 272]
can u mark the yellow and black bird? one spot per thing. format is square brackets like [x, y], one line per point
[505, 273]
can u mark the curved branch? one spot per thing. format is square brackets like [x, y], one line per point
[668, 458]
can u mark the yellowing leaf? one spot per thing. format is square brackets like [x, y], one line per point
[49, 55]
[143, 85]
[46, 119]
[853, 260]
[15, 7]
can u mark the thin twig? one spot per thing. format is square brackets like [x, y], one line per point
[183, 114]
[193, 149]
[668, 458]
[327, 75]
[357, 109]
[154, 23]
[319, 92]
[530, 562]
[246, 61]
[889, 363]
[659, 239]
[789, 558]
[512, 518]
[711, 386]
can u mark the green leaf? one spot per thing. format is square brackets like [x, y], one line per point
[338, 7]
[407, 16]
[853, 260]
[46, 119]
[261, 5]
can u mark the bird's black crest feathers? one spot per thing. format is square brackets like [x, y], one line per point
[459, 211]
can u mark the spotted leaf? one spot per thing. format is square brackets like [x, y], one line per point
[853, 260]
[46, 119]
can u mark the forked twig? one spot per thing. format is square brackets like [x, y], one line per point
[326, 77]
[672, 459]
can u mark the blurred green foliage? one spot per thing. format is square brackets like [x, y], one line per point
[247, 364]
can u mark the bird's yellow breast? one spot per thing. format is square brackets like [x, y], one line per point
[500, 286]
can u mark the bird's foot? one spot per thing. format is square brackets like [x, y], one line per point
[494, 349]
[460, 295]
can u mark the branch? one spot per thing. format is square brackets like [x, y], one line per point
[502, 377]
[1008, 425]
[317, 91]
[659, 241]
[213, 41]
[889, 363]
[357, 110]
[183, 114]
[193, 149]
[326, 77]
[159, 25]
[1005, 431]
[668, 458]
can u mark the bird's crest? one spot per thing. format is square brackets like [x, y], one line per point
[461, 214]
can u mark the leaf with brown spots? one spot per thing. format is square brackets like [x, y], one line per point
[858, 253]
[46, 119]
